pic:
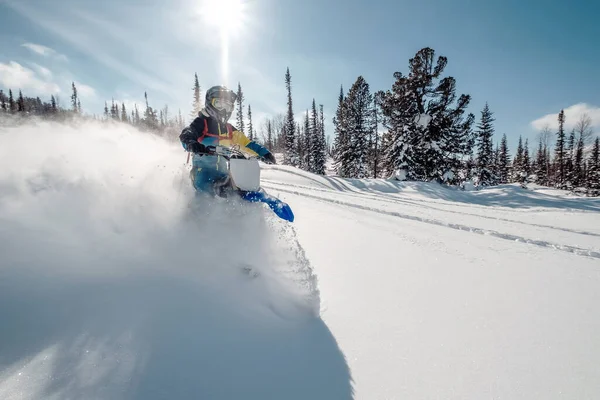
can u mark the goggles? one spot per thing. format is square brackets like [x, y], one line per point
[223, 104]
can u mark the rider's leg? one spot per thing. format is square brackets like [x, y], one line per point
[206, 171]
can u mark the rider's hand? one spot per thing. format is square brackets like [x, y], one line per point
[196, 147]
[269, 158]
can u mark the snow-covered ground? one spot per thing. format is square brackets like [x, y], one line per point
[115, 284]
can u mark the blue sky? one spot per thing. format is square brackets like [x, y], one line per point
[528, 59]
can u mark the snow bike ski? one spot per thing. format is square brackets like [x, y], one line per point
[243, 180]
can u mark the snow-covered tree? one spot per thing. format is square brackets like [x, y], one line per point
[503, 162]
[74, 97]
[197, 99]
[290, 157]
[427, 136]
[250, 128]
[559, 152]
[593, 175]
[240, 109]
[485, 148]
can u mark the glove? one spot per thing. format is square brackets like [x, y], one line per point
[195, 147]
[269, 158]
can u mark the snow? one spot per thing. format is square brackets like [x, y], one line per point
[116, 284]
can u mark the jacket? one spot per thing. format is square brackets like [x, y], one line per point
[210, 132]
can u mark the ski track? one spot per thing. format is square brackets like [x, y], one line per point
[350, 189]
[396, 200]
[540, 243]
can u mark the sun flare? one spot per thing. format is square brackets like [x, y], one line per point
[227, 17]
[223, 13]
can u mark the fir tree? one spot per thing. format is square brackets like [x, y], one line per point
[485, 149]
[569, 156]
[197, 101]
[240, 108]
[11, 101]
[375, 141]
[359, 125]
[269, 136]
[290, 157]
[503, 161]
[341, 144]
[320, 155]
[105, 110]
[526, 159]
[314, 140]
[427, 135]
[518, 172]
[3, 105]
[124, 117]
[593, 176]
[21, 103]
[53, 105]
[540, 164]
[74, 98]
[250, 129]
[305, 154]
[559, 151]
[578, 166]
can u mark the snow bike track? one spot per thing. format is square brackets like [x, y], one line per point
[308, 192]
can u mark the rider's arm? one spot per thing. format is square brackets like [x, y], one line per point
[192, 133]
[240, 139]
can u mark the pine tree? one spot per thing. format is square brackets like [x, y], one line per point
[290, 157]
[540, 164]
[503, 161]
[517, 174]
[304, 154]
[197, 103]
[105, 110]
[578, 166]
[250, 129]
[427, 135]
[341, 144]
[359, 125]
[240, 108]
[526, 159]
[314, 134]
[3, 105]
[375, 141]
[124, 117]
[53, 105]
[559, 152]
[21, 103]
[593, 176]
[320, 155]
[74, 98]
[485, 148]
[11, 101]
[269, 136]
[569, 156]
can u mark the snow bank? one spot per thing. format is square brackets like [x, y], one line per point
[116, 284]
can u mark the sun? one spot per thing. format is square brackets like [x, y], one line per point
[222, 13]
[227, 17]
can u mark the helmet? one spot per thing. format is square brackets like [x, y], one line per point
[220, 102]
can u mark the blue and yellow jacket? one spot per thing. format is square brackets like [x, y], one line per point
[210, 132]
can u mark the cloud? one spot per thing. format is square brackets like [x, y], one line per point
[44, 51]
[87, 40]
[85, 91]
[43, 71]
[572, 115]
[15, 76]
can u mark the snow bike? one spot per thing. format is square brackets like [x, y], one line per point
[243, 180]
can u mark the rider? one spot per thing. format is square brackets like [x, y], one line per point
[211, 128]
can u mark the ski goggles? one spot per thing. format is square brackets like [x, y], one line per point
[223, 104]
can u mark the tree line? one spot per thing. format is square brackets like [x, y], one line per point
[419, 129]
